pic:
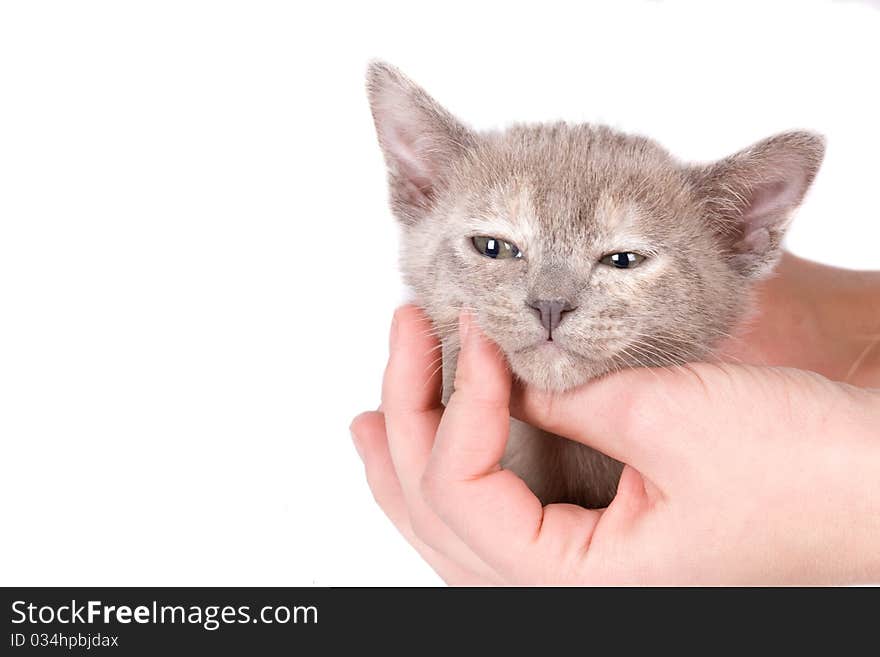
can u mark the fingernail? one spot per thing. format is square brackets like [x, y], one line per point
[464, 326]
[357, 444]
[392, 336]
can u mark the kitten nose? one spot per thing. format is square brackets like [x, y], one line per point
[551, 313]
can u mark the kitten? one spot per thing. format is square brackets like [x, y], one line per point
[580, 250]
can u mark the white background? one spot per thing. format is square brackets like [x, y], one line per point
[197, 264]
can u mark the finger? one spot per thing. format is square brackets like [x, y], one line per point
[411, 395]
[480, 403]
[368, 434]
[491, 509]
[633, 497]
[633, 416]
[411, 401]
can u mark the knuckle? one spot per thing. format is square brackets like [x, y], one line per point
[476, 396]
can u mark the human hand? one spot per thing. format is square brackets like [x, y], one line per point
[812, 317]
[735, 475]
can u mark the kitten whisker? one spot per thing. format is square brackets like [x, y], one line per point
[861, 359]
[432, 375]
[434, 362]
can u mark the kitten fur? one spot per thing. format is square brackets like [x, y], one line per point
[567, 195]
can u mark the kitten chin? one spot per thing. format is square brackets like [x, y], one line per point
[553, 368]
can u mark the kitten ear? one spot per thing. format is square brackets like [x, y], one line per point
[750, 196]
[421, 140]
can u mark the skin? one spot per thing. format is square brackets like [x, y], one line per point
[816, 318]
[736, 473]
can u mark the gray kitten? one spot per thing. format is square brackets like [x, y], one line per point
[580, 251]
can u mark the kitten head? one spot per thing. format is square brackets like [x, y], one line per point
[579, 249]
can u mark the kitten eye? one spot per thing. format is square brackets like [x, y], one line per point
[623, 260]
[494, 248]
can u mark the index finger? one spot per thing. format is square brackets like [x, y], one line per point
[489, 508]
